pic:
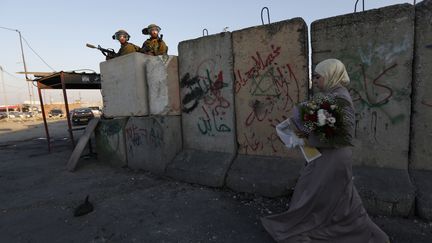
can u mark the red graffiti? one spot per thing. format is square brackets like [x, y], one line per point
[251, 143]
[272, 139]
[259, 65]
[275, 90]
[215, 97]
[260, 110]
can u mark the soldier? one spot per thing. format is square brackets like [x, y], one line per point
[123, 37]
[154, 45]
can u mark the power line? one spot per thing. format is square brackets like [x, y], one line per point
[28, 44]
[10, 74]
[8, 29]
[13, 76]
[37, 54]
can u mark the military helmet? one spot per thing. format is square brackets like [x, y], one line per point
[146, 31]
[121, 32]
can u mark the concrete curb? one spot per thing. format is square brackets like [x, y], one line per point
[202, 167]
[423, 182]
[385, 191]
[264, 175]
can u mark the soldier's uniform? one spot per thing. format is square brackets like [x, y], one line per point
[125, 48]
[154, 45]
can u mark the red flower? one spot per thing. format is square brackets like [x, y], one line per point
[325, 106]
[312, 118]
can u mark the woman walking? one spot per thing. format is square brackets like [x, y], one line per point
[325, 206]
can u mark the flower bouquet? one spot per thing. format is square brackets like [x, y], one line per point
[323, 116]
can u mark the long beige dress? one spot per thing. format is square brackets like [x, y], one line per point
[325, 206]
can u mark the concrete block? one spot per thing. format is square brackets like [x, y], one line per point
[206, 89]
[110, 141]
[271, 73]
[421, 132]
[124, 90]
[202, 167]
[423, 182]
[376, 47]
[163, 85]
[152, 142]
[385, 191]
[264, 175]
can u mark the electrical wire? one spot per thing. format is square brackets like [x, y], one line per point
[8, 28]
[10, 74]
[28, 44]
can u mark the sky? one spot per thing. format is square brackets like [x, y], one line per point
[58, 31]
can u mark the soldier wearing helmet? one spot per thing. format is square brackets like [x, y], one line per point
[125, 47]
[154, 45]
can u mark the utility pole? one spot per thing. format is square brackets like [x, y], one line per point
[4, 91]
[30, 89]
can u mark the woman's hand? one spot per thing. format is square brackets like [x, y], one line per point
[296, 130]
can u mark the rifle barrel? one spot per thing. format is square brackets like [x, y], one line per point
[90, 45]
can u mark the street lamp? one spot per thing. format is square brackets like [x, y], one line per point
[4, 91]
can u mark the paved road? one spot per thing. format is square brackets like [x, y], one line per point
[23, 130]
[38, 197]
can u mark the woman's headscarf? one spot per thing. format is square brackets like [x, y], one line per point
[334, 73]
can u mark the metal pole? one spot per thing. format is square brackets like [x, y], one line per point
[67, 108]
[44, 118]
[30, 90]
[4, 92]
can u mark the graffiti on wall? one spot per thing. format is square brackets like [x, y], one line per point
[111, 135]
[376, 85]
[203, 94]
[150, 136]
[273, 89]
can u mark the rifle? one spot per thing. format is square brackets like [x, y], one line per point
[109, 53]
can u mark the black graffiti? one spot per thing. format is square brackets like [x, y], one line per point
[199, 88]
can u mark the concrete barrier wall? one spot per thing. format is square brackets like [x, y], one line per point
[163, 85]
[124, 90]
[377, 48]
[138, 85]
[271, 71]
[206, 87]
[110, 141]
[152, 142]
[421, 138]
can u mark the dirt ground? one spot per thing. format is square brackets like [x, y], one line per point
[38, 197]
[24, 130]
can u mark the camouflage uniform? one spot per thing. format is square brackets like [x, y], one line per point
[155, 47]
[127, 48]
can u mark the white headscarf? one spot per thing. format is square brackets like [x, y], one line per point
[334, 73]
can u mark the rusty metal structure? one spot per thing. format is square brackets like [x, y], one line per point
[64, 81]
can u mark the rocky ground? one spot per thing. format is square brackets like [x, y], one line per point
[38, 197]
